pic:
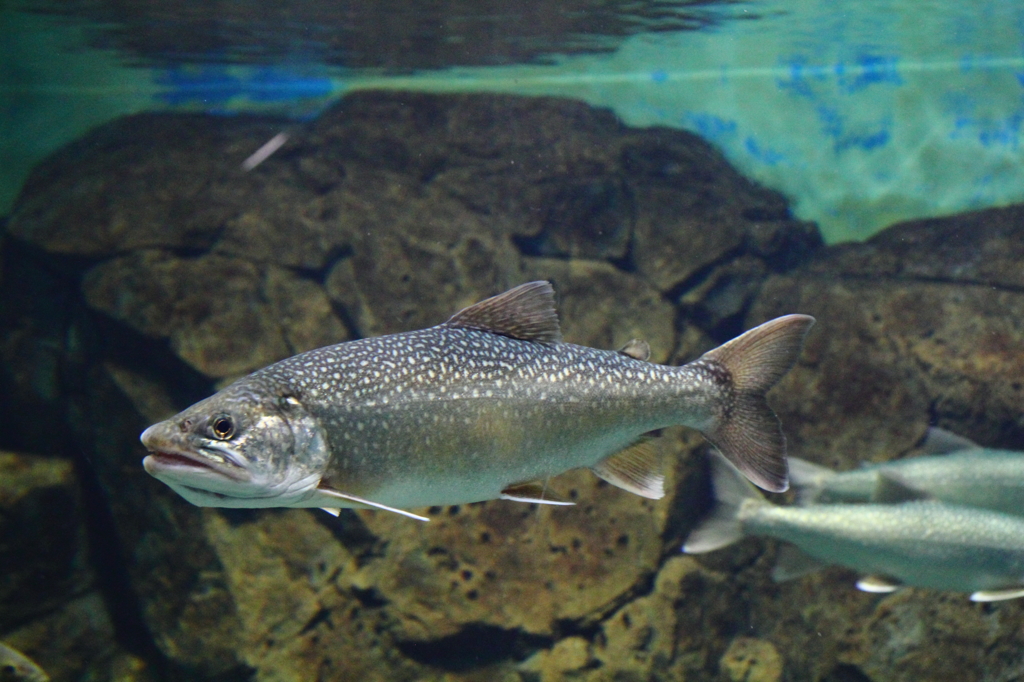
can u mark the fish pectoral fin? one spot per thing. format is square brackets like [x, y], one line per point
[638, 349]
[333, 511]
[877, 584]
[791, 563]
[998, 595]
[636, 469]
[534, 493]
[331, 492]
[526, 312]
[889, 489]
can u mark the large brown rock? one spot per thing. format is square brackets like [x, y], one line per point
[391, 212]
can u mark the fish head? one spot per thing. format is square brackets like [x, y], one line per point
[249, 445]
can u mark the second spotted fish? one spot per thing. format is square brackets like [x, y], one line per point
[487, 405]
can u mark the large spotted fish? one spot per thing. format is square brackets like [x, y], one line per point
[487, 405]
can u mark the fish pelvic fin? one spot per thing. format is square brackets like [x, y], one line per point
[748, 433]
[723, 526]
[998, 595]
[525, 312]
[533, 492]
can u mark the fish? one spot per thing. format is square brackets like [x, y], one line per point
[17, 667]
[487, 405]
[917, 543]
[954, 470]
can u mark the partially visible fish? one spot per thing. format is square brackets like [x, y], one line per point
[956, 470]
[17, 667]
[487, 405]
[920, 543]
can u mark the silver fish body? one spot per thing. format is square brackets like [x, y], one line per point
[925, 543]
[968, 475]
[464, 411]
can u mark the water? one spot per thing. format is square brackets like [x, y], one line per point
[680, 172]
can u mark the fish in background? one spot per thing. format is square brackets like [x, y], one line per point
[487, 405]
[17, 667]
[953, 469]
[917, 543]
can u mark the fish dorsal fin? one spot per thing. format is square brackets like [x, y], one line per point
[526, 312]
[638, 349]
[533, 493]
[791, 562]
[877, 584]
[362, 502]
[998, 595]
[889, 489]
[636, 469]
[942, 442]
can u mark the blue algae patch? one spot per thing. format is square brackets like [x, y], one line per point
[871, 70]
[709, 126]
[765, 155]
[208, 85]
[214, 86]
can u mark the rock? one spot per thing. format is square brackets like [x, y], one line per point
[223, 316]
[903, 339]
[42, 539]
[77, 641]
[749, 659]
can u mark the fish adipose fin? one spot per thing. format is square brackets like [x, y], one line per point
[808, 478]
[526, 312]
[877, 584]
[748, 432]
[998, 595]
[791, 563]
[722, 526]
[636, 469]
[942, 442]
[889, 489]
[331, 492]
[533, 493]
[638, 349]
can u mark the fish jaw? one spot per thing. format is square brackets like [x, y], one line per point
[177, 463]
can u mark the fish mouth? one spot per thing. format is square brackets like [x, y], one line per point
[173, 461]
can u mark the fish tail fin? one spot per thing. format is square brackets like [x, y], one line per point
[748, 433]
[722, 526]
[808, 478]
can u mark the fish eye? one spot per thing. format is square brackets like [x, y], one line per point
[223, 427]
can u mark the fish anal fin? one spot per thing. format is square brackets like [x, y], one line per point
[998, 595]
[638, 349]
[791, 563]
[889, 489]
[333, 511]
[534, 493]
[526, 312]
[748, 432]
[877, 584]
[942, 442]
[636, 469]
[363, 502]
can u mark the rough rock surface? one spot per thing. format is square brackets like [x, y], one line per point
[131, 289]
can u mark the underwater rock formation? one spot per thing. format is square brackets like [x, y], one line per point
[143, 267]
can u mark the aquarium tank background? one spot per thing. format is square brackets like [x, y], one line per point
[192, 191]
